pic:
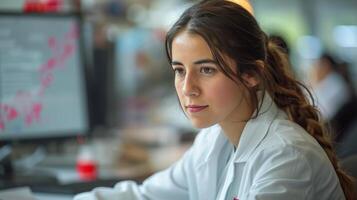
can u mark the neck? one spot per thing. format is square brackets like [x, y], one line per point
[233, 131]
[234, 125]
[235, 122]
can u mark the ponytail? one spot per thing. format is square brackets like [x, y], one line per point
[288, 94]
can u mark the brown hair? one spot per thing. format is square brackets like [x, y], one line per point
[231, 30]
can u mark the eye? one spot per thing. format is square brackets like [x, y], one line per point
[207, 70]
[179, 71]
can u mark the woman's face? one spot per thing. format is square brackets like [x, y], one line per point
[206, 95]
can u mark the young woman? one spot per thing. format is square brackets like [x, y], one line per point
[261, 137]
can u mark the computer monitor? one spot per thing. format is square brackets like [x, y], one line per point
[43, 84]
[42, 77]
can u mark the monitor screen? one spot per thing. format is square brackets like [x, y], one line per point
[42, 79]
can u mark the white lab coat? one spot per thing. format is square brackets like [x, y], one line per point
[275, 160]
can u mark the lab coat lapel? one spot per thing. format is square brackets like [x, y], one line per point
[256, 129]
[252, 135]
[207, 171]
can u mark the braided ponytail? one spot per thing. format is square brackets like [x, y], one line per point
[288, 94]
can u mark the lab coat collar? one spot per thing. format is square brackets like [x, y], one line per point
[256, 129]
[220, 141]
[253, 133]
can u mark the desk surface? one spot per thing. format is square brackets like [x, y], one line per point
[67, 174]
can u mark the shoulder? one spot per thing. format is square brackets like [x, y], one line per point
[289, 144]
[288, 134]
[288, 152]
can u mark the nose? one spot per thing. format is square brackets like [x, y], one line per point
[190, 87]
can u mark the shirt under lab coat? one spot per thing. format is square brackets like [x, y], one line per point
[276, 159]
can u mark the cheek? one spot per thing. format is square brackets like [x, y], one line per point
[224, 94]
[178, 88]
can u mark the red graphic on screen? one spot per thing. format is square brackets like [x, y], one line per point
[27, 105]
[34, 114]
[50, 65]
[42, 6]
[8, 113]
[11, 113]
[52, 42]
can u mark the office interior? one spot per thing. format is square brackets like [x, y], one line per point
[87, 95]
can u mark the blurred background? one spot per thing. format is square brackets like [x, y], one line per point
[135, 123]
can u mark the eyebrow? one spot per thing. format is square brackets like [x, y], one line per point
[202, 61]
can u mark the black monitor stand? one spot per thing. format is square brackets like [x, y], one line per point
[10, 177]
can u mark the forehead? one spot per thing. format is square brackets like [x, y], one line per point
[188, 45]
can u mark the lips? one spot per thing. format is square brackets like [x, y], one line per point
[195, 108]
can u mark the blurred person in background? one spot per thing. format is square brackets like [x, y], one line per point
[336, 98]
[261, 138]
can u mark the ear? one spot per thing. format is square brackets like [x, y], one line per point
[250, 80]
